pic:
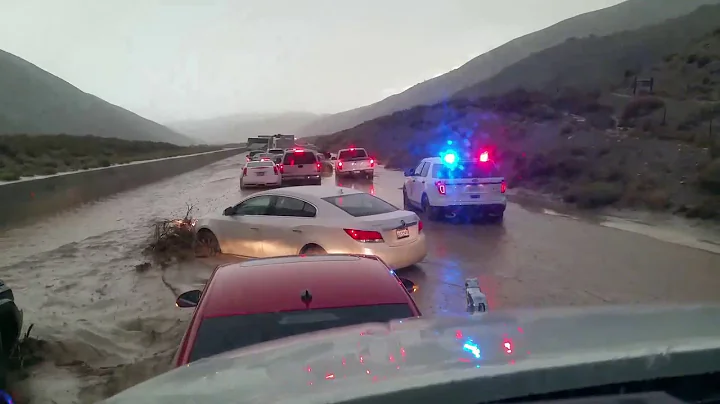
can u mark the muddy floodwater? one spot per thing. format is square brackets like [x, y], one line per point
[105, 326]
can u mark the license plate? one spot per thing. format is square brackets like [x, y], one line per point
[475, 196]
[402, 233]
[260, 174]
[356, 172]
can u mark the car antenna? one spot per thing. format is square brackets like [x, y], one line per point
[306, 298]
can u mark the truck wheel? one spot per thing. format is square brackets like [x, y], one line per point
[430, 211]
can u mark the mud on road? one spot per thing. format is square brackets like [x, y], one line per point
[105, 326]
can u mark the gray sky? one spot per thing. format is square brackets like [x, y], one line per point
[185, 59]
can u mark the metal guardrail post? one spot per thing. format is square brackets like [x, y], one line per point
[476, 299]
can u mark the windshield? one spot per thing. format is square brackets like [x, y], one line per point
[221, 334]
[297, 158]
[361, 204]
[465, 169]
[352, 154]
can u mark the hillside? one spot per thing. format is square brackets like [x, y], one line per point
[34, 101]
[237, 128]
[593, 145]
[629, 15]
[599, 63]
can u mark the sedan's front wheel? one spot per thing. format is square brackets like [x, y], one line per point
[207, 244]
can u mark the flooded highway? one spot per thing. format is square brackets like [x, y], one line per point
[107, 326]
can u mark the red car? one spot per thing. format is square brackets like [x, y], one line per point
[265, 299]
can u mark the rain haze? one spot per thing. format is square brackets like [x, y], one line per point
[171, 60]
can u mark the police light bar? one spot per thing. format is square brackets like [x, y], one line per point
[476, 299]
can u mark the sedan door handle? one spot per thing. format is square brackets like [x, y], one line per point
[297, 231]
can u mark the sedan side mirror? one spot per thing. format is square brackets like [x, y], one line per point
[229, 211]
[409, 285]
[409, 172]
[190, 298]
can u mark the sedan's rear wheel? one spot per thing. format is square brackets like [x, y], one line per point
[313, 249]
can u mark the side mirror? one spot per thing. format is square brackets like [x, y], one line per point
[409, 172]
[409, 285]
[190, 298]
[229, 211]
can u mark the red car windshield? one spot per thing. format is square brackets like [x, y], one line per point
[221, 334]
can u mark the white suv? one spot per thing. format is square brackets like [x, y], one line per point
[470, 187]
[302, 166]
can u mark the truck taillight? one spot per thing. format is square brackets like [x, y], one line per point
[275, 170]
[280, 167]
[245, 171]
[318, 166]
[339, 164]
[441, 187]
[420, 226]
[503, 187]
[372, 163]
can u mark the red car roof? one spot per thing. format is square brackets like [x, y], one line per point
[276, 284]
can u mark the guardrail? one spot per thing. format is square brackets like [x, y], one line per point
[31, 198]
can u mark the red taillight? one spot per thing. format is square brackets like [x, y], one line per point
[244, 171]
[280, 167]
[372, 163]
[503, 187]
[299, 150]
[339, 164]
[364, 236]
[318, 166]
[420, 226]
[440, 187]
[275, 170]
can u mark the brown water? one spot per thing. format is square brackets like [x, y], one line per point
[107, 326]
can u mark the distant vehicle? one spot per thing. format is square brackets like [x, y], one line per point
[447, 187]
[284, 296]
[260, 173]
[327, 165]
[354, 161]
[252, 154]
[259, 143]
[276, 151]
[264, 156]
[314, 221]
[300, 165]
[283, 141]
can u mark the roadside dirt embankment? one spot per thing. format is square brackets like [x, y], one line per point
[31, 198]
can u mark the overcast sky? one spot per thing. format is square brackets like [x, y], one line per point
[186, 59]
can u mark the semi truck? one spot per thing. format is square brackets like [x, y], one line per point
[283, 141]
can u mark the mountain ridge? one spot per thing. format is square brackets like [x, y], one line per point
[35, 101]
[631, 14]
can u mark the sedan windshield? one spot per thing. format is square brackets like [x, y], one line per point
[220, 334]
